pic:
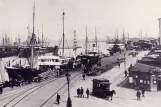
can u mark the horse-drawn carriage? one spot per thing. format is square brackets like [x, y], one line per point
[133, 54]
[101, 88]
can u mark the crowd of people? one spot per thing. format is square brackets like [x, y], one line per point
[80, 92]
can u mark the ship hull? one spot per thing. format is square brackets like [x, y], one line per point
[22, 73]
[89, 59]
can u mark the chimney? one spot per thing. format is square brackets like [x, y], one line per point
[159, 30]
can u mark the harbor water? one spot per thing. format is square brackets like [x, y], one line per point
[10, 61]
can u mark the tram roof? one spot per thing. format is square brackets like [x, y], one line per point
[101, 81]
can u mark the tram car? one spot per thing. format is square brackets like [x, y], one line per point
[101, 88]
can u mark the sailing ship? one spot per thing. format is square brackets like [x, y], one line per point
[3, 74]
[117, 45]
[41, 47]
[29, 72]
[54, 61]
[91, 56]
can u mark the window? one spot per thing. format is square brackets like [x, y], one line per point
[136, 76]
[154, 81]
[147, 82]
[130, 79]
[141, 81]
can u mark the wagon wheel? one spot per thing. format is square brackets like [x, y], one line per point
[93, 93]
[107, 97]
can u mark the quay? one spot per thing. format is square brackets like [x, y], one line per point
[80, 53]
[115, 75]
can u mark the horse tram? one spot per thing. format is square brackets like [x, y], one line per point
[101, 88]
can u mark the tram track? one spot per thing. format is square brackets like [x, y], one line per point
[23, 94]
[25, 90]
[29, 88]
[60, 89]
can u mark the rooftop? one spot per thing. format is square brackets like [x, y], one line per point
[143, 68]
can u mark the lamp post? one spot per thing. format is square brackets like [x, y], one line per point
[69, 101]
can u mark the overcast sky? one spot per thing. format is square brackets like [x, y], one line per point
[107, 15]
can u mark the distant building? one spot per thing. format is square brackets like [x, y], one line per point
[142, 75]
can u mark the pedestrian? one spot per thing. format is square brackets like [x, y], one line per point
[118, 64]
[85, 70]
[83, 76]
[87, 92]
[58, 98]
[57, 72]
[138, 95]
[78, 92]
[142, 91]
[1, 89]
[12, 83]
[38, 78]
[81, 92]
[74, 66]
[125, 73]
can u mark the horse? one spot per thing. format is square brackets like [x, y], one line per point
[110, 94]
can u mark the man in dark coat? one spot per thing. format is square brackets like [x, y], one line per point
[87, 92]
[138, 95]
[142, 91]
[78, 92]
[83, 75]
[81, 92]
[125, 73]
[58, 98]
[85, 70]
[1, 89]
[118, 64]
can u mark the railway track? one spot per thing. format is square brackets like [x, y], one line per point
[24, 94]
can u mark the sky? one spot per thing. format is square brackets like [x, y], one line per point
[107, 16]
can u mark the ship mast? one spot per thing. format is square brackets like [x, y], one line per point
[33, 38]
[117, 38]
[96, 36]
[128, 37]
[75, 43]
[123, 37]
[86, 42]
[63, 33]
[38, 39]
[28, 38]
[42, 37]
